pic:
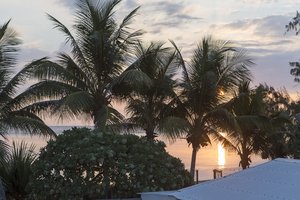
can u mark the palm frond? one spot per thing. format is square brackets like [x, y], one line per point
[250, 123]
[134, 78]
[123, 128]
[234, 70]
[41, 108]
[182, 62]
[123, 37]
[173, 127]
[78, 73]
[115, 117]
[76, 51]
[74, 105]
[9, 46]
[41, 91]
[27, 125]
[4, 149]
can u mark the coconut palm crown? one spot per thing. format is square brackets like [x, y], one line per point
[150, 105]
[249, 136]
[215, 69]
[15, 114]
[79, 85]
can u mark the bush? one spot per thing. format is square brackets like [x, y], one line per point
[84, 164]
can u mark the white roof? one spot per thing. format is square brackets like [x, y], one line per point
[278, 179]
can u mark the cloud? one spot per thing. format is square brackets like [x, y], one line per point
[29, 54]
[274, 24]
[270, 48]
[188, 17]
[170, 8]
[170, 13]
[274, 70]
[262, 36]
[130, 4]
[71, 4]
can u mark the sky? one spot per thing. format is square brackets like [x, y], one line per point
[255, 25]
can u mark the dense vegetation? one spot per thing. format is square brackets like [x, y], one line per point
[85, 164]
[163, 93]
[16, 170]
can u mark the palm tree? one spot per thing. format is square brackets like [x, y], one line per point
[252, 123]
[215, 69]
[15, 170]
[15, 115]
[265, 121]
[81, 83]
[149, 105]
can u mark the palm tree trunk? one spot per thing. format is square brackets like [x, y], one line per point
[193, 162]
[100, 115]
[244, 155]
[244, 163]
[150, 134]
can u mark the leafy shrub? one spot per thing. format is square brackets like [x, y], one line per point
[84, 164]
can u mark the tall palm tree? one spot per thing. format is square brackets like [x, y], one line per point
[81, 83]
[215, 69]
[252, 123]
[15, 115]
[265, 123]
[149, 105]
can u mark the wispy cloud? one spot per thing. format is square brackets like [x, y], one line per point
[263, 36]
[67, 3]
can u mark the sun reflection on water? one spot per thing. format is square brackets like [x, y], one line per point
[221, 155]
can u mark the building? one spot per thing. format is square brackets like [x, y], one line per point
[278, 179]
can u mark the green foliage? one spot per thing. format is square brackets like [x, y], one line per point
[292, 143]
[279, 110]
[15, 170]
[85, 164]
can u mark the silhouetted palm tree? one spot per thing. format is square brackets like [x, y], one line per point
[15, 114]
[215, 69]
[150, 105]
[81, 83]
[252, 123]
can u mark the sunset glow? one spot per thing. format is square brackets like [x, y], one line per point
[221, 155]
